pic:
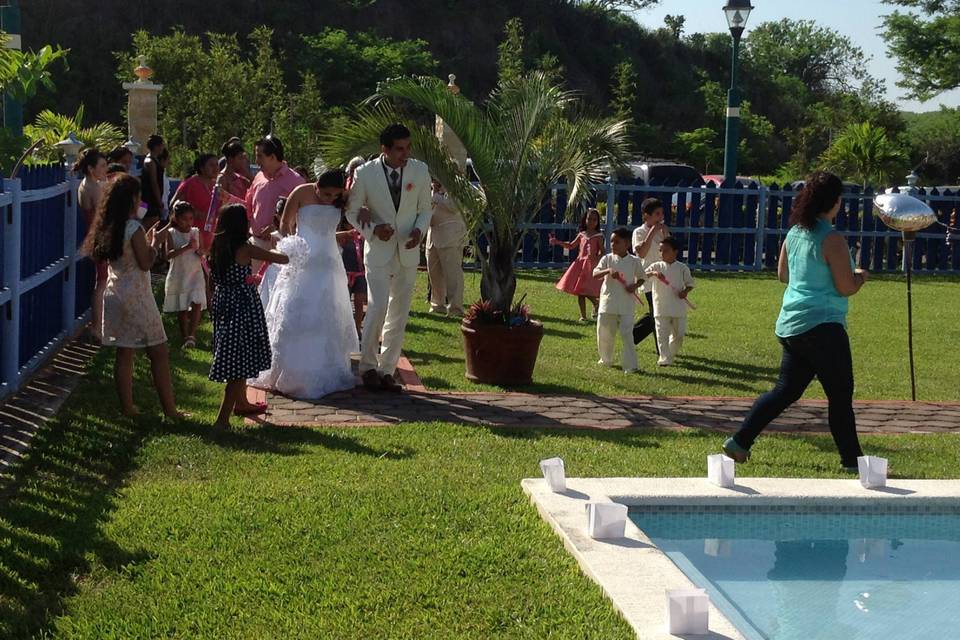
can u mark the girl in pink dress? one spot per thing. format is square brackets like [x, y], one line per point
[578, 279]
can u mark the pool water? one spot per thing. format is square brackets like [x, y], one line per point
[785, 573]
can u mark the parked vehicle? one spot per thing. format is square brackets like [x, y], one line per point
[748, 182]
[665, 173]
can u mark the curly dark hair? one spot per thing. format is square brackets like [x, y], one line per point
[120, 197]
[233, 231]
[820, 192]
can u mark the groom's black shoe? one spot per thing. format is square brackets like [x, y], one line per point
[387, 383]
[371, 380]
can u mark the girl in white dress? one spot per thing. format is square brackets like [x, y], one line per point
[309, 317]
[185, 291]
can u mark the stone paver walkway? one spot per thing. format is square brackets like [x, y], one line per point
[25, 413]
[360, 407]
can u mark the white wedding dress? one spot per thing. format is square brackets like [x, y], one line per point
[309, 316]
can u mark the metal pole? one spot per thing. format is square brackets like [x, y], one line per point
[69, 313]
[733, 119]
[908, 238]
[611, 221]
[12, 109]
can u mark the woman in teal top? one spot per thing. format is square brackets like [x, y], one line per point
[815, 264]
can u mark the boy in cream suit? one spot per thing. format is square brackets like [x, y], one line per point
[396, 190]
[622, 275]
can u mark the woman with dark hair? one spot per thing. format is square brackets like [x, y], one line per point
[92, 167]
[121, 155]
[309, 318]
[197, 189]
[153, 178]
[235, 176]
[131, 319]
[815, 264]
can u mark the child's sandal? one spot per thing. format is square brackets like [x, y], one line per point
[190, 343]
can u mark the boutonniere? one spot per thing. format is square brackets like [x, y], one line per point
[409, 186]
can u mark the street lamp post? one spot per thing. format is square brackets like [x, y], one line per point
[737, 12]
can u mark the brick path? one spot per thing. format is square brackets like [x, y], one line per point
[25, 413]
[359, 407]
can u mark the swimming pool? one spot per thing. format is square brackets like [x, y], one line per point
[818, 572]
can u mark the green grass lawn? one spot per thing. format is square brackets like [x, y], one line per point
[730, 349]
[115, 528]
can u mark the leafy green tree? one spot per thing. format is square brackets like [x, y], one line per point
[23, 73]
[701, 148]
[624, 102]
[621, 6]
[926, 46]
[510, 52]
[820, 57]
[934, 142]
[348, 65]
[864, 153]
[675, 24]
[528, 135]
[550, 65]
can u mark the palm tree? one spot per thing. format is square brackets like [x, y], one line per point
[864, 151]
[50, 128]
[529, 135]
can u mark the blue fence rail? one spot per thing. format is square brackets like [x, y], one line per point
[741, 229]
[45, 284]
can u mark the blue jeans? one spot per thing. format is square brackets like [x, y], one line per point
[822, 352]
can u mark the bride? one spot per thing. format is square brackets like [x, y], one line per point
[309, 316]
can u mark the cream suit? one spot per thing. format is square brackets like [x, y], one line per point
[391, 268]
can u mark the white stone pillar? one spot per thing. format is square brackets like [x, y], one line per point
[142, 104]
[446, 135]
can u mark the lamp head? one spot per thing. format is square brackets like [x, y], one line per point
[737, 13]
[70, 146]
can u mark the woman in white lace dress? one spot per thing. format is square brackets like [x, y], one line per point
[309, 317]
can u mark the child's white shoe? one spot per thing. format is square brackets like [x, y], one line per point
[663, 362]
[604, 364]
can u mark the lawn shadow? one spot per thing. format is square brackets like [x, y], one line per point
[54, 507]
[285, 440]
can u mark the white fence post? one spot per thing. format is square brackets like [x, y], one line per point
[761, 227]
[69, 312]
[10, 317]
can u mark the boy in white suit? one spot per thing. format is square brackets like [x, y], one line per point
[622, 275]
[396, 190]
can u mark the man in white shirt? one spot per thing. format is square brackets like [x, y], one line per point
[672, 282]
[646, 246]
[622, 275]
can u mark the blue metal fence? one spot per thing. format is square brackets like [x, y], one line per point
[45, 285]
[741, 229]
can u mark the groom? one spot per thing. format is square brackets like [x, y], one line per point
[396, 190]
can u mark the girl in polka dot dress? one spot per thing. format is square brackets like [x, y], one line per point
[241, 346]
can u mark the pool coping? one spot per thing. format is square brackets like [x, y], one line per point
[634, 574]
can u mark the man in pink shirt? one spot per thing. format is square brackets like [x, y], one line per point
[275, 180]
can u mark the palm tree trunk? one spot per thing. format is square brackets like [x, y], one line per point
[498, 281]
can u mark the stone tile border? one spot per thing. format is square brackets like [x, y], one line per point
[361, 408]
[25, 413]
[634, 574]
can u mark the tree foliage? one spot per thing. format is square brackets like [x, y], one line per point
[510, 52]
[51, 128]
[926, 46]
[864, 152]
[23, 73]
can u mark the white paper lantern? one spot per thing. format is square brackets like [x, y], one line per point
[688, 612]
[720, 470]
[553, 473]
[873, 471]
[606, 520]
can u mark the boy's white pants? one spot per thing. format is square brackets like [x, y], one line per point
[670, 332]
[608, 325]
